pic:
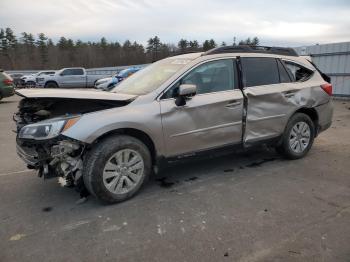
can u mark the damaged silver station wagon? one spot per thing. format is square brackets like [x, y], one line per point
[108, 143]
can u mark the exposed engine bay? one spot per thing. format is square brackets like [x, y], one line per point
[59, 156]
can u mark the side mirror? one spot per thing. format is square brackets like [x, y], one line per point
[185, 90]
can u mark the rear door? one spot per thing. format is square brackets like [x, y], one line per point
[270, 94]
[211, 118]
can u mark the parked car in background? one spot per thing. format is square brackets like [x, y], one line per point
[7, 87]
[30, 80]
[75, 77]
[16, 78]
[181, 106]
[108, 83]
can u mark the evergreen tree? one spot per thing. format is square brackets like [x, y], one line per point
[41, 43]
[62, 43]
[209, 44]
[182, 45]
[43, 53]
[193, 45]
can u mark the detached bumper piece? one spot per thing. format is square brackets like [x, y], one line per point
[28, 155]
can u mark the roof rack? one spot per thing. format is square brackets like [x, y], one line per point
[287, 51]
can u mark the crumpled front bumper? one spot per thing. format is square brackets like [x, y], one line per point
[28, 155]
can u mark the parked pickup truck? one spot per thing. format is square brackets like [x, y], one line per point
[76, 77]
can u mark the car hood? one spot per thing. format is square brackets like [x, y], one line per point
[104, 79]
[74, 94]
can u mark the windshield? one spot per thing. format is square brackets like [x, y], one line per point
[124, 73]
[151, 77]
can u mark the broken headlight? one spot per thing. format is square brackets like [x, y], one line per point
[47, 129]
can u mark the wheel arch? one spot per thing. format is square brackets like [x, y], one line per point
[51, 81]
[133, 132]
[312, 113]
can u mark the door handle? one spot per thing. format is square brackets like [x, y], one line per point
[233, 103]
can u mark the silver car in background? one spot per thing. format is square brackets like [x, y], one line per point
[228, 97]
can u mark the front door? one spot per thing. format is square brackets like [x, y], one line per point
[211, 118]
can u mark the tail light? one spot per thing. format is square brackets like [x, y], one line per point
[327, 88]
[8, 81]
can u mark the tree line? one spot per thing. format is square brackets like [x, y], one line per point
[40, 52]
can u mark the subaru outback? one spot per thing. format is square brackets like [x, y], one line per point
[108, 143]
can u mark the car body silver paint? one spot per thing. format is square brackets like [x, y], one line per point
[205, 121]
[142, 115]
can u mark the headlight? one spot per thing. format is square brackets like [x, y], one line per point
[46, 129]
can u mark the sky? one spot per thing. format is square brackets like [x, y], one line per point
[285, 23]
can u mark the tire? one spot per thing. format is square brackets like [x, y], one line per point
[295, 144]
[51, 85]
[105, 167]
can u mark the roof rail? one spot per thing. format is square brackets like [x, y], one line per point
[287, 51]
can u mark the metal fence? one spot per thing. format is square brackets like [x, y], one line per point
[334, 60]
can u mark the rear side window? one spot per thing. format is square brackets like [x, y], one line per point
[284, 76]
[259, 71]
[297, 72]
[77, 72]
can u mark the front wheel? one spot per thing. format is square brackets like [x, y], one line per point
[117, 168]
[51, 85]
[298, 137]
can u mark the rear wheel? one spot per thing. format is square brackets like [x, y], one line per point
[116, 168]
[298, 137]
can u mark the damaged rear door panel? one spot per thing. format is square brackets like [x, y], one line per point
[273, 95]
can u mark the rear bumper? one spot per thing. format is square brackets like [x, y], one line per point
[325, 115]
[7, 91]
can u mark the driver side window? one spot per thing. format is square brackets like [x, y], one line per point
[209, 77]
